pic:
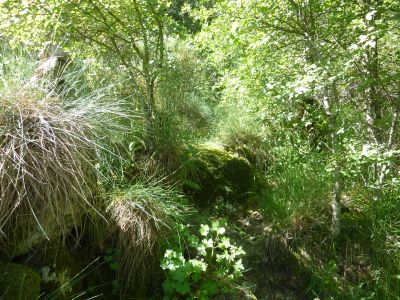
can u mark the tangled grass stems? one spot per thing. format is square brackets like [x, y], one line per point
[85, 272]
[46, 161]
[144, 214]
[48, 153]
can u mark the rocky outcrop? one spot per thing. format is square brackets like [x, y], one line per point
[52, 60]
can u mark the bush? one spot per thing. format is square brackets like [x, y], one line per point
[48, 157]
[211, 268]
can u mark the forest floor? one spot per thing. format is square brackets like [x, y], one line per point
[271, 270]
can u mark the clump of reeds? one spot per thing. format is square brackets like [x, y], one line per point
[143, 215]
[47, 161]
[48, 150]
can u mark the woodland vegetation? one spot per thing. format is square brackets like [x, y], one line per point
[199, 149]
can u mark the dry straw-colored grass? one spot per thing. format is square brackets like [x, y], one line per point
[47, 164]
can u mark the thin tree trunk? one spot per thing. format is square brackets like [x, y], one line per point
[313, 56]
[149, 110]
[337, 183]
[149, 96]
[374, 105]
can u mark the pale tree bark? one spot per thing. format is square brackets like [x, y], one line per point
[337, 182]
[378, 104]
[328, 99]
[303, 27]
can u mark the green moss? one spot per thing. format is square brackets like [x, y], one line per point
[215, 173]
[26, 233]
[18, 282]
[61, 270]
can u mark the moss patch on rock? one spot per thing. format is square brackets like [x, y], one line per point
[212, 173]
[27, 234]
[18, 282]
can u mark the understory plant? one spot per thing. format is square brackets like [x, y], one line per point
[209, 266]
[49, 146]
[142, 215]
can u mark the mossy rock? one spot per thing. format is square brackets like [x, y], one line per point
[212, 173]
[18, 282]
[68, 269]
[27, 234]
[59, 268]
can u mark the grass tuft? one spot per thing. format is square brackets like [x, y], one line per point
[49, 145]
[47, 164]
[144, 214]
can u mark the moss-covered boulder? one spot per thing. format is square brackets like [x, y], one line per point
[212, 173]
[28, 233]
[59, 266]
[18, 282]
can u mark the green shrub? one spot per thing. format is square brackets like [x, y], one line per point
[49, 145]
[211, 268]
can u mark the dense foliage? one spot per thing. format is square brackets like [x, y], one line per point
[281, 116]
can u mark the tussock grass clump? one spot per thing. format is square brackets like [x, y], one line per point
[50, 143]
[47, 162]
[143, 214]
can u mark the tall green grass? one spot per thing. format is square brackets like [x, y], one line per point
[143, 214]
[363, 263]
